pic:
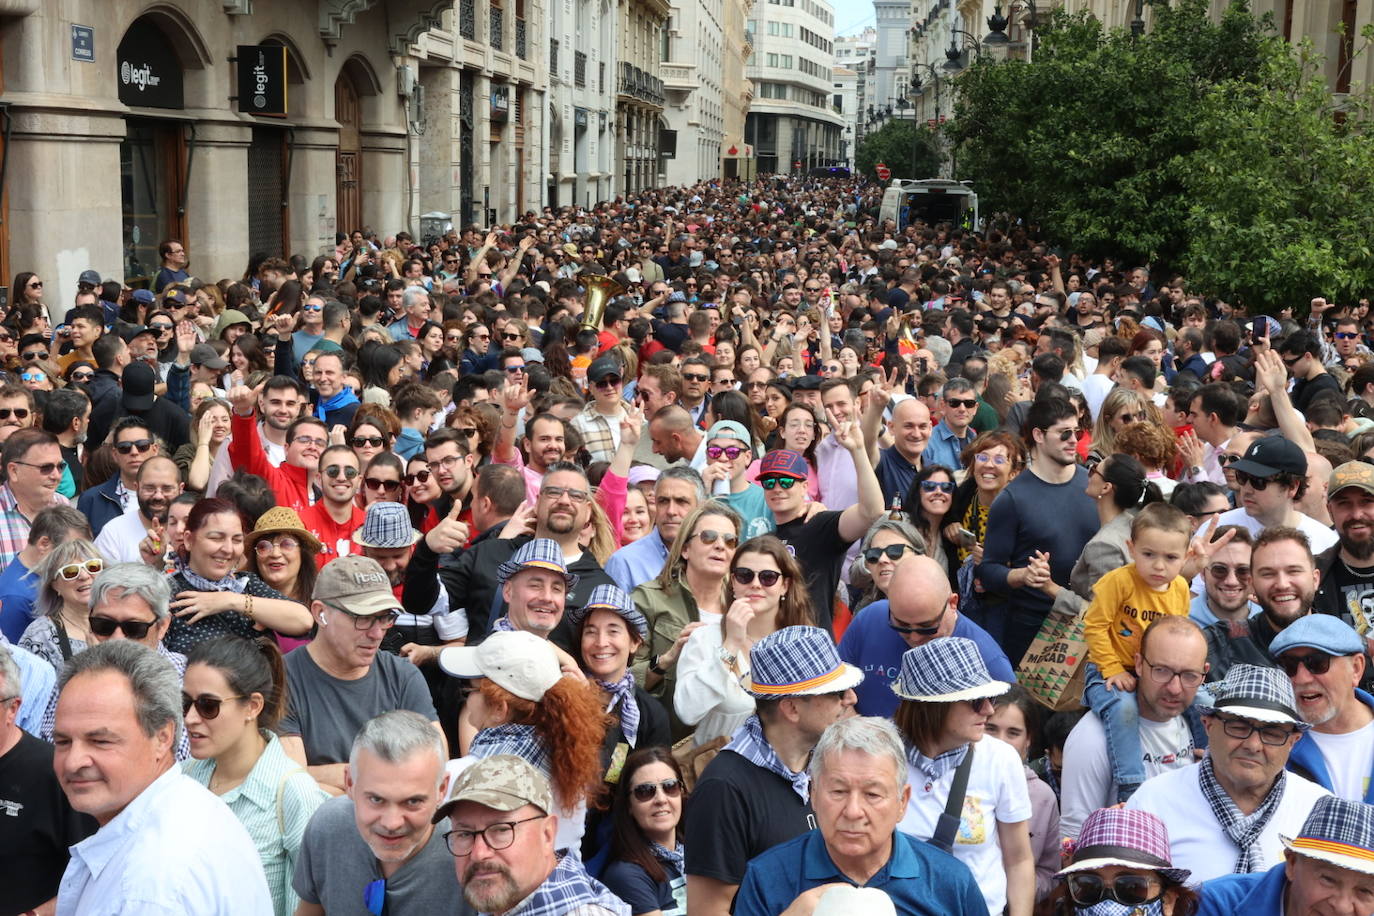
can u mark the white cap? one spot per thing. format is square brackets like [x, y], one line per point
[846, 901]
[520, 662]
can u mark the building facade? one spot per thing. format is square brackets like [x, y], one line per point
[893, 19]
[693, 71]
[737, 91]
[639, 93]
[792, 125]
[582, 88]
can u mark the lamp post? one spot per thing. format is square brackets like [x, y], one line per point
[954, 54]
[1138, 23]
[917, 89]
[998, 24]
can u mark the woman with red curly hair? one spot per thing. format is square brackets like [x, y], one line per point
[526, 706]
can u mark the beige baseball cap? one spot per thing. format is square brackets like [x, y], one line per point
[356, 585]
[504, 782]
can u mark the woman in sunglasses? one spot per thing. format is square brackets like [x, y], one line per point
[421, 490]
[689, 593]
[383, 480]
[61, 623]
[645, 868]
[928, 504]
[1121, 865]
[766, 591]
[285, 555]
[233, 695]
[885, 544]
[373, 431]
[210, 597]
[209, 432]
[1120, 408]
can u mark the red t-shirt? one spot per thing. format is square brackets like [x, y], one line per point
[336, 539]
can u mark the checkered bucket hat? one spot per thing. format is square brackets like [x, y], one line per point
[1340, 832]
[540, 553]
[1121, 836]
[386, 526]
[611, 598]
[946, 670]
[798, 662]
[1261, 694]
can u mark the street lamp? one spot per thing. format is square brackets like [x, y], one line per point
[997, 23]
[916, 85]
[1138, 23]
[955, 54]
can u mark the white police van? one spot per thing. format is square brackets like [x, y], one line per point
[932, 200]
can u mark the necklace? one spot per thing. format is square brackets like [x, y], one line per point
[1355, 572]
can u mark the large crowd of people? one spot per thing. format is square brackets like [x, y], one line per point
[687, 554]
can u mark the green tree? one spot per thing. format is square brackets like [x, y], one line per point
[905, 147]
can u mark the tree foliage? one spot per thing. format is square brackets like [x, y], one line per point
[907, 148]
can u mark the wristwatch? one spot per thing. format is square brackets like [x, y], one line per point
[728, 657]
[656, 668]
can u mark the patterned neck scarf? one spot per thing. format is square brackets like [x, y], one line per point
[749, 742]
[673, 857]
[520, 740]
[198, 583]
[935, 767]
[1242, 829]
[1112, 908]
[503, 625]
[623, 696]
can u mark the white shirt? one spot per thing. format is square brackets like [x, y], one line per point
[996, 794]
[1196, 840]
[175, 849]
[1087, 782]
[708, 694]
[1349, 760]
[1320, 536]
[118, 540]
[1095, 390]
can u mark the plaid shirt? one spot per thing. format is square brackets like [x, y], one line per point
[598, 436]
[14, 527]
[570, 891]
[519, 740]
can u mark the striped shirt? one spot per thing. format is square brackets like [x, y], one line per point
[274, 804]
[14, 526]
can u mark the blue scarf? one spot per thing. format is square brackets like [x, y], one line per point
[230, 583]
[673, 857]
[749, 742]
[622, 693]
[342, 399]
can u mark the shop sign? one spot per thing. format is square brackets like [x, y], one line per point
[500, 103]
[147, 69]
[262, 79]
[83, 43]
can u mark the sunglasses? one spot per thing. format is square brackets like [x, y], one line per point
[1130, 417]
[338, 470]
[368, 441]
[207, 707]
[466, 431]
[80, 377]
[962, 402]
[32, 377]
[69, 572]
[33, 355]
[928, 629]
[937, 486]
[514, 370]
[1314, 662]
[892, 551]
[417, 477]
[710, 537]
[1066, 435]
[6, 338]
[45, 470]
[133, 629]
[694, 377]
[312, 308]
[1259, 484]
[607, 381]
[1224, 460]
[285, 544]
[645, 791]
[767, 577]
[729, 451]
[1088, 889]
[131, 445]
[374, 483]
[36, 284]
[512, 337]
[160, 328]
[1346, 335]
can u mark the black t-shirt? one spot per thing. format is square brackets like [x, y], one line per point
[1307, 389]
[736, 812]
[36, 827]
[819, 550]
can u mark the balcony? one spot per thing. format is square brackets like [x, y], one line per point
[639, 84]
[498, 28]
[679, 77]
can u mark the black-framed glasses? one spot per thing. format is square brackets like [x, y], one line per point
[70, 571]
[80, 377]
[786, 483]
[892, 551]
[729, 451]
[105, 627]
[1245, 478]
[556, 493]
[386, 619]
[768, 578]
[207, 706]
[1163, 674]
[1242, 729]
[933, 486]
[1346, 335]
[645, 791]
[925, 629]
[1315, 662]
[367, 441]
[710, 536]
[507, 336]
[607, 381]
[1089, 889]
[497, 836]
[132, 445]
[466, 431]
[339, 470]
[695, 377]
[376, 483]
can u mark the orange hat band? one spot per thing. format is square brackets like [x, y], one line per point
[1331, 846]
[799, 685]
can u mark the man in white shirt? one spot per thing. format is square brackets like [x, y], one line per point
[166, 845]
[1169, 668]
[159, 482]
[1324, 658]
[1214, 412]
[1271, 479]
[1225, 815]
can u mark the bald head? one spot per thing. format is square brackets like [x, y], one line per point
[672, 433]
[911, 428]
[673, 419]
[919, 596]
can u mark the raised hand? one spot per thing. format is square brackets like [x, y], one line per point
[244, 399]
[1270, 372]
[152, 549]
[186, 336]
[1192, 449]
[516, 396]
[521, 521]
[450, 534]
[737, 620]
[631, 425]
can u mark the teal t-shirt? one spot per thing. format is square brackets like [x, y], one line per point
[751, 506]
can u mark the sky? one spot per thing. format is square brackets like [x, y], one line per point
[851, 16]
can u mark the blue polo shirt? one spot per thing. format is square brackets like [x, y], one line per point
[870, 643]
[638, 561]
[18, 590]
[919, 878]
[945, 448]
[1258, 892]
[1202, 614]
[895, 474]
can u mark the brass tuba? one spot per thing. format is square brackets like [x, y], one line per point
[600, 290]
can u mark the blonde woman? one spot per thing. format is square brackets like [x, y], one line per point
[1121, 407]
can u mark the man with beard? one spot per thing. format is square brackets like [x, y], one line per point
[1226, 581]
[336, 517]
[306, 439]
[1169, 669]
[374, 849]
[508, 805]
[159, 482]
[1325, 659]
[545, 438]
[279, 405]
[1284, 580]
[1347, 568]
[133, 445]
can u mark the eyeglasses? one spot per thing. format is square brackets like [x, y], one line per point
[317, 441]
[208, 707]
[386, 619]
[892, 551]
[368, 441]
[985, 458]
[339, 470]
[694, 377]
[1088, 889]
[1129, 417]
[514, 370]
[130, 445]
[1064, 435]
[1163, 674]
[496, 836]
[933, 486]
[556, 493]
[1315, 662]
[19, 413]
[54, 467]
[285, 543]
[80, 377]
[1245, 478]
[69, 572]
[33, 377]
[962, 402]
[417, 477]
[105, 627]
[767, 577]
[374, 483]
[981, 704]
[812, 289]
[729, 451]
[1225, 459]
[925, 629]
[34, 355]
[1221, 571]
[466, 431]
[709, 536]
[607, 381]
[750, 386]
[1242, 729]
[1346, 335]
[646, 791]
[6, 338]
